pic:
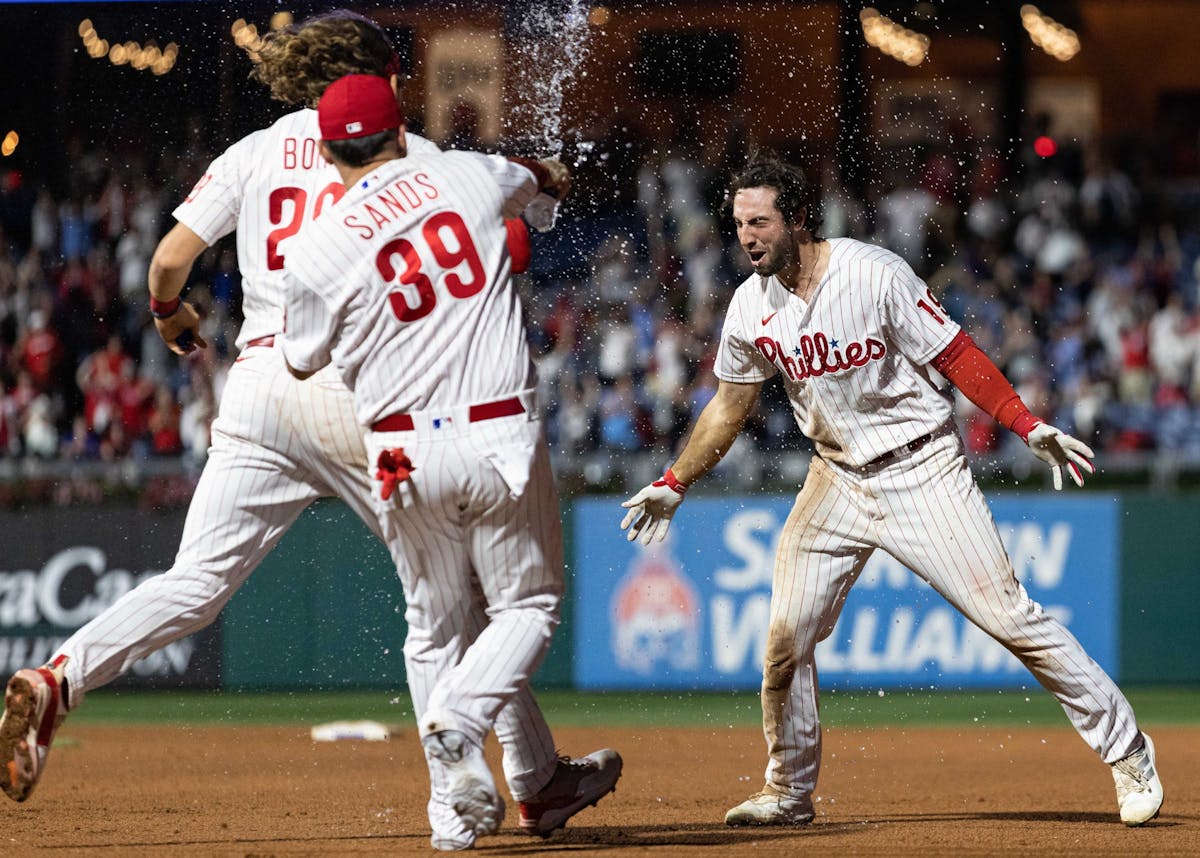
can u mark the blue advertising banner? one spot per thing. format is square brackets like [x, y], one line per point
[692, 612]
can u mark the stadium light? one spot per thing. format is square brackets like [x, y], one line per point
[246, 37]
[130, 53]
[1058, 41]
[899, 43]
[11, 139]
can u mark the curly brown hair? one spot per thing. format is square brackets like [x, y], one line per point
[301, 60]
[794, 196]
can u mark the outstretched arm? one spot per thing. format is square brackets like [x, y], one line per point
[716, 429]
[972, 372]
[651, 509]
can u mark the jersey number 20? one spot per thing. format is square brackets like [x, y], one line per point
[289, 222]
[447, 258]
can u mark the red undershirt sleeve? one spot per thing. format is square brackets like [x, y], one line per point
[517, 239]
[981, 381]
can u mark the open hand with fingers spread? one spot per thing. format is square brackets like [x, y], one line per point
[651, 509]
[1058, 450]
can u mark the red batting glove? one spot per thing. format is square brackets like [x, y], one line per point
[393, 467]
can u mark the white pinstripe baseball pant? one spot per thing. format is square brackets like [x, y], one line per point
[926, 510]
[482, 496]
[278, 445]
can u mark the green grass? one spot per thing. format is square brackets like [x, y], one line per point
[1155, 705]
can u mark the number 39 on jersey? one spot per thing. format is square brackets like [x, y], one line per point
[448, 239]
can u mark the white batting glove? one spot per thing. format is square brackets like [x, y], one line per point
[1058, 450]
[651, 509]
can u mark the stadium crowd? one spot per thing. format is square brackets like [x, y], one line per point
[1079, 277]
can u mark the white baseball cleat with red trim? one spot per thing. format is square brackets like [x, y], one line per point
[33, 710]
[574, 785]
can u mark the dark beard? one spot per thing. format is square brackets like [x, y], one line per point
[781, 262]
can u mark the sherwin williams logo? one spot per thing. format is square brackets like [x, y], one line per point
[655, 615]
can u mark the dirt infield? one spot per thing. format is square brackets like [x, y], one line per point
[159, 791]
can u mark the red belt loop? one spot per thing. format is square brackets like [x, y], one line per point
[393, 423]
[492, 410]
[484, 411]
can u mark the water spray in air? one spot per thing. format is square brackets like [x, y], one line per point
[554, 44]
[554, 37]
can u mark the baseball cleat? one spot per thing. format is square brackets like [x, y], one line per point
[1139, 791]
[470, 791]
[770, 808]
[574, 785]
[450, 833]
[33, 711]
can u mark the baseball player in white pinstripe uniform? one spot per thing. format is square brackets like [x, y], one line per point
[852, 332]
[405, 287]
[278, 445]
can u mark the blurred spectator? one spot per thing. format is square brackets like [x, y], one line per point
[905, 213]
[617, 352]
[100, 377]
[621, 416]
[75, 229]
[40, 352]
[163, 423]
[988, 213]
[227, 300]
[1173, 341]
[1108, 202]
[44, 224]
[1079, 281]
[842, 216]
[38, 428]
[578, 413]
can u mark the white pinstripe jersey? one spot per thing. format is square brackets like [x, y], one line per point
[406, 286]
[265, 186]
[853, 361]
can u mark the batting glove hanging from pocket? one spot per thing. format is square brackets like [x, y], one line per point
[393, 468]
[1060, 450]
[651, 509]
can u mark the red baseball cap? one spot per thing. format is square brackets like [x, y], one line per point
[357, 105]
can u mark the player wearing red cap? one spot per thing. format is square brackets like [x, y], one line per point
[277, 445]
[405, 287]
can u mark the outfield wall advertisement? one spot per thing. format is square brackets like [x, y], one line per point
[693, 611]
[61, 567]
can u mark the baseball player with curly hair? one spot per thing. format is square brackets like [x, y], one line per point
[406, 288]
[278, 445]
[853, 334]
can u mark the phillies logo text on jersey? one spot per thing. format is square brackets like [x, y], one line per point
[819, 355]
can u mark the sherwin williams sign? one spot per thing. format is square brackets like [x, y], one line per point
[693, 612]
